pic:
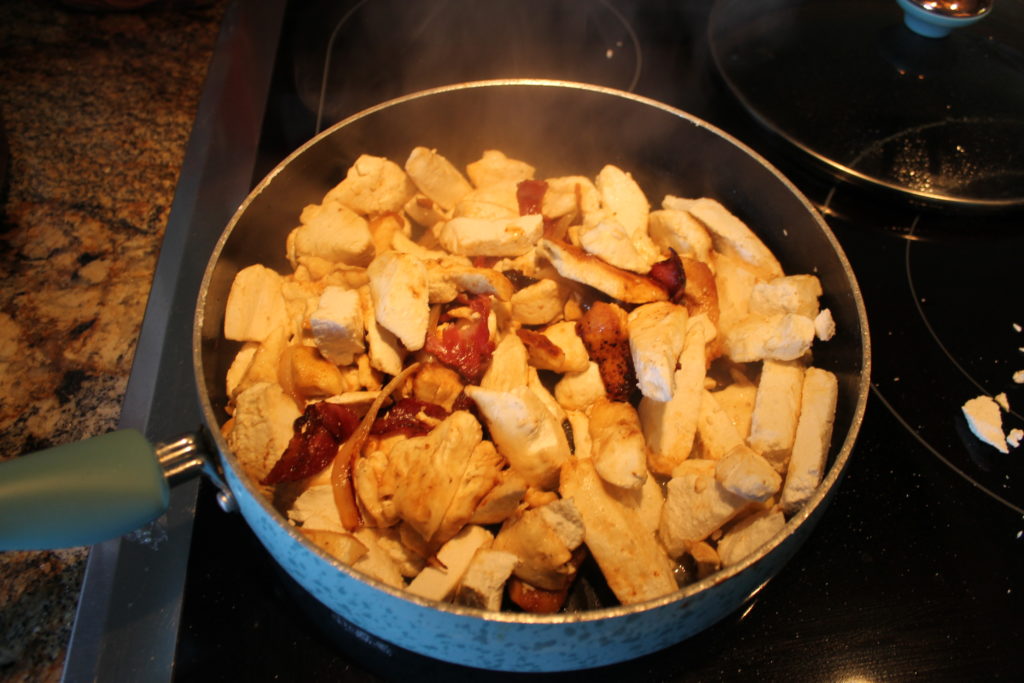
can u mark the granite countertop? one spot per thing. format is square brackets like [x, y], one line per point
[97, 108]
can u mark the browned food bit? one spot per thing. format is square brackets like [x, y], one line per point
[518, 279]
[671, 275]
[604, 332]
[543, 353]
[530, 195]
[342, 487]
[535, 600]
[465, 345]
[701, 293]
[318, 433]
[406, 416]
[702, 297]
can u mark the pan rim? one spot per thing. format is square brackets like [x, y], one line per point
[813, 506]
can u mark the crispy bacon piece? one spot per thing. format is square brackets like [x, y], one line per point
[671, 275]
[465, 346]
[319, 431]
[701, 291]
[530, 195]
[518, 279]
[536, 600]
[604, 333]
[402, 417]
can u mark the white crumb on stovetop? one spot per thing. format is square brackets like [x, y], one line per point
[986, 421]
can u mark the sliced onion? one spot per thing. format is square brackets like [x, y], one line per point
[341, 470]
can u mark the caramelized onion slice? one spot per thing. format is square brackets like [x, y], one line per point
[341, 470]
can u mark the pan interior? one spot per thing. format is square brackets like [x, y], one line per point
[561, 129]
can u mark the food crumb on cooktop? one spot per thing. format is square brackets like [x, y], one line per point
[986, 421]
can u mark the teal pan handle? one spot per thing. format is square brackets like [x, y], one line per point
[81, 493]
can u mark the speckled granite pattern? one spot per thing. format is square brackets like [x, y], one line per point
[97, 108]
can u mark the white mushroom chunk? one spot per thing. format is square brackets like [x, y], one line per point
[262, 427]
[501, 501]
[373, 185]
[695, 506]
[240, 367]
[436, 177]
[646, 500]
[398, 286]
[332, 232]
[543, 539]
[680, 231]
[494, 167]
[609, 241]
[525, 432]
[737, 401]
[258, 362]
[574, 354]
[824, 325]
[409, 561]
[507, 237]
[509, 367]
[813, 436]
[498, 201]
[577, 265]
[377, 563]
[454, 557]
[538, 303]
[483, 584]
[657, 332]
[425, 211]
[791, 294]
[315, 509]
[784, 336]
[749, 534]
[617, 443]
[434, 383]
[340, 545]
[578, 390]
[482, 473]
[337, 325]
[734, 282]
[480, 281]
[255, 306]
[718, 434]
[623, 197]
[730, 235]
[776, 411]
[570, 196]
[670, 426]
[747, 474]
[432, 468]
[633, 562]
[385, 352]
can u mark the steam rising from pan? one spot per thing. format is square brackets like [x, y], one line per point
[418, 45]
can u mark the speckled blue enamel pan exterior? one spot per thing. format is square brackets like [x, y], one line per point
[560, 128]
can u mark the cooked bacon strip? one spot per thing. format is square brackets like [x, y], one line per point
[530, 195]
[701, 293]
[604, 333]
[341, 471]
[318, 433]
[403, 417]
[465, 346]
[671, 275]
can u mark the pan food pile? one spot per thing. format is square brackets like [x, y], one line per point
[472, 383]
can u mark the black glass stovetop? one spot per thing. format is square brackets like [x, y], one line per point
[917, 568]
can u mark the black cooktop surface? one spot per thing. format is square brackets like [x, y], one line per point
[916, 569]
